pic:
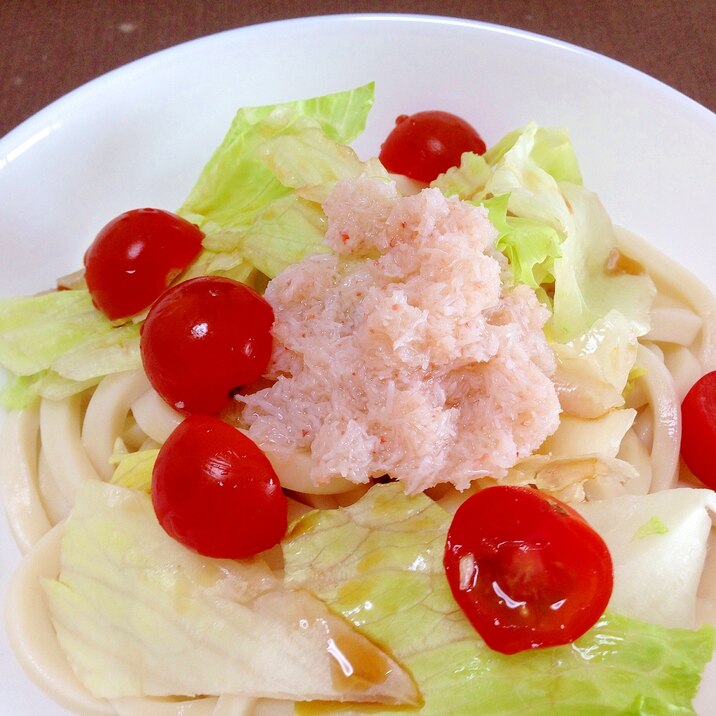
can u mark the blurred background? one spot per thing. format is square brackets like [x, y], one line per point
[50, 47]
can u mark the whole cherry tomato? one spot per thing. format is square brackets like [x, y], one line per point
[135, 257]
[698, 429]
[214, 491]
[526, 569]
[426, 144]
[203, 339]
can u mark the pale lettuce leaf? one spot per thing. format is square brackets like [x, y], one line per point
[37, 330]
[379, 562]
[134, 470]
[57, 344]
[138, 614]
[554, 232]
[271, 154]
[585, 289]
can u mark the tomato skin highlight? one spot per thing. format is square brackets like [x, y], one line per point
[214, 491]
[135, 257]
[698, 429]
[426, 144]
[526, 569]
[203, 339]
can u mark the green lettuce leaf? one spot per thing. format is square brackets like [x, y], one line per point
[269, 155]
[585, 288]
[530, 246]
[554, 232]
[379, 563]
[57, 344]
[134, 470]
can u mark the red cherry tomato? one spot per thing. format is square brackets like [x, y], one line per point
[698, 429]
[526, 569]
[203, 339]
[424, 145]
[135, 257]
[214, 491]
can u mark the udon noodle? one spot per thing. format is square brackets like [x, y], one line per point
[48, 450]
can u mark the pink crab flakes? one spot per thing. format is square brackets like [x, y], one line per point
[403, 353]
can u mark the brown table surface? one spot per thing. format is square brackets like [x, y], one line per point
[49, 47]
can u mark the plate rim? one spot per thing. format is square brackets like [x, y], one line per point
[39, 124]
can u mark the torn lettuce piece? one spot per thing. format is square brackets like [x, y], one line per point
[379, 562]
[286, 228]
[21, 391]
[57, 344]
[37, 330]
[270, 155]
[530, 246]
[554, 232]
[138, 614]
[593, 369]
[134, 470]
[551, 150]
[586, 287]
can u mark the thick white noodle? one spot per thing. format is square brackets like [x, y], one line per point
[56, 503]
[60, 432]
[674, 325]
[154, 416]
[672, 279]
[666, 412]
[107, 414]
[684, 367]
[23, 504]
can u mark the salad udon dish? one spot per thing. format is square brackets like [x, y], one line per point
[348, 436]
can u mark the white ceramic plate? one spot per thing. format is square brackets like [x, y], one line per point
[138, 136]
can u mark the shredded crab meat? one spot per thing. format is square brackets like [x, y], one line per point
[402, 353]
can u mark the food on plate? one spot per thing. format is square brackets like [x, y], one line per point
[135, 257]
[526, 569]
[401, 352]
[425, 144]
[459, 387]
[214, 491]
[203, 339]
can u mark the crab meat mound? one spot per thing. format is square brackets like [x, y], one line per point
[402, 353]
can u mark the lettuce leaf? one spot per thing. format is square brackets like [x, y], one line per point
[251, 188]
[554, 232]
[57, 344]
[137, 613]
[134, 470]
[530, 246]
[379, 562]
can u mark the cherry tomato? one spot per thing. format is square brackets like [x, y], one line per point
[203, 339]
[698, 429]
[424, 145]
[214, 491]
[526, 569]
[135, 257]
